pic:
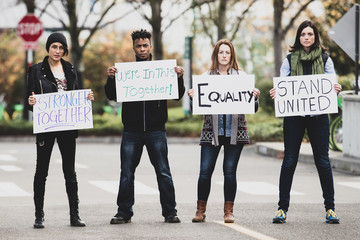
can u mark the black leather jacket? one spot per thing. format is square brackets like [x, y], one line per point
[142, 115]
[41, 80]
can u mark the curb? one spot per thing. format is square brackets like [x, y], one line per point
[337, 160]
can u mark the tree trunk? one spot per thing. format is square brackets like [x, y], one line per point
[30, 5]
[278, 35]
[222, 20]
[155, 22]
[76, 49]
[30, 8]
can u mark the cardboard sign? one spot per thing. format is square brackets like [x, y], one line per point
[61, 111]
[223, 94]
[147, 80]
[305, 95]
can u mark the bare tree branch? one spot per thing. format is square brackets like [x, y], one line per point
[288, 6]
[206, 30]
[178, 16]
[95, 28]
[303, 7]
[117, 19]
[239, 20]
[137, 6]
[89, 13]
[42, 11]
[56, 18]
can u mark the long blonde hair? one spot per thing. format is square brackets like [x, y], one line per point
[214, 57]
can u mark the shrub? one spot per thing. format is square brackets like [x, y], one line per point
[266, 102]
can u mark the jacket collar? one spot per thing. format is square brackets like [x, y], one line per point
[68, 70]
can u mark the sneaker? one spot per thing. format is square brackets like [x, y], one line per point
[172, 219]
[118, 219]
[331, 217]
[280, 217]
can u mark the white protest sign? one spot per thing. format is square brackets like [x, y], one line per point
[146, 80]
[305, 95]
[61, 111]
[223, 94]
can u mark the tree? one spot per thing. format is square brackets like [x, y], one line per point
[11, 72]
[156, 17]
[280, 6]
[98, 56]
[72, 23]
[30, 5]
[217, 24]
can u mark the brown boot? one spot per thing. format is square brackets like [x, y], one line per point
[200, 213]
[228, 212]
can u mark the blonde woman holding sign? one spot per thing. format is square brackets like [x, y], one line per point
[228, 130]
[307, 57]
[54, 74]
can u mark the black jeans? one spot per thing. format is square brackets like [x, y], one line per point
[44, 145]
[318, 131]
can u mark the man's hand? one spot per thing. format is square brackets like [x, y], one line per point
[179, 71]
[111, 72]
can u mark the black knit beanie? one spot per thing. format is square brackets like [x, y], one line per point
[56, 37]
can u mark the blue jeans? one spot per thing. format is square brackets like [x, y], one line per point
[318, 131]
[131, 150]
[209, 154]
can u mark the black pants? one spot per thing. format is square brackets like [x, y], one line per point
[44, 145]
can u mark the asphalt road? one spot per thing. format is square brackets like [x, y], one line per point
[98, 176]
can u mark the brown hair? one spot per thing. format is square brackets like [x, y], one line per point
[214, 57]
[297, 45]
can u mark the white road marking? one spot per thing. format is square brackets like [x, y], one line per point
[7, 158]
[246, 231]
[260, 188]
[113, 187]
[10, 189]
[10, 168]
[350, 184]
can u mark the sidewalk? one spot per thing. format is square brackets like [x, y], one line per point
[338, 161]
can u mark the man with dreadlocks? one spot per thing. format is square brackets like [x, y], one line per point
[144, 124]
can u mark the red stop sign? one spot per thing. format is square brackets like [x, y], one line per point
[30, 29]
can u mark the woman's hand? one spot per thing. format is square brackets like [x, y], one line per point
[190, 93]
[90, 96]
[256, 93]
[337, 87]
[272, 93]
[111, 72]
[179, 71]
[32, 99]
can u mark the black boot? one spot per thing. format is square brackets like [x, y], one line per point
[72, 191]
[39, 213]
[75, 219]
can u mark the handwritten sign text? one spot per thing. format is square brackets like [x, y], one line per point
[305, 95]
[60, 111]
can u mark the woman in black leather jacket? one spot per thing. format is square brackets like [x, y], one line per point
[54, 74]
